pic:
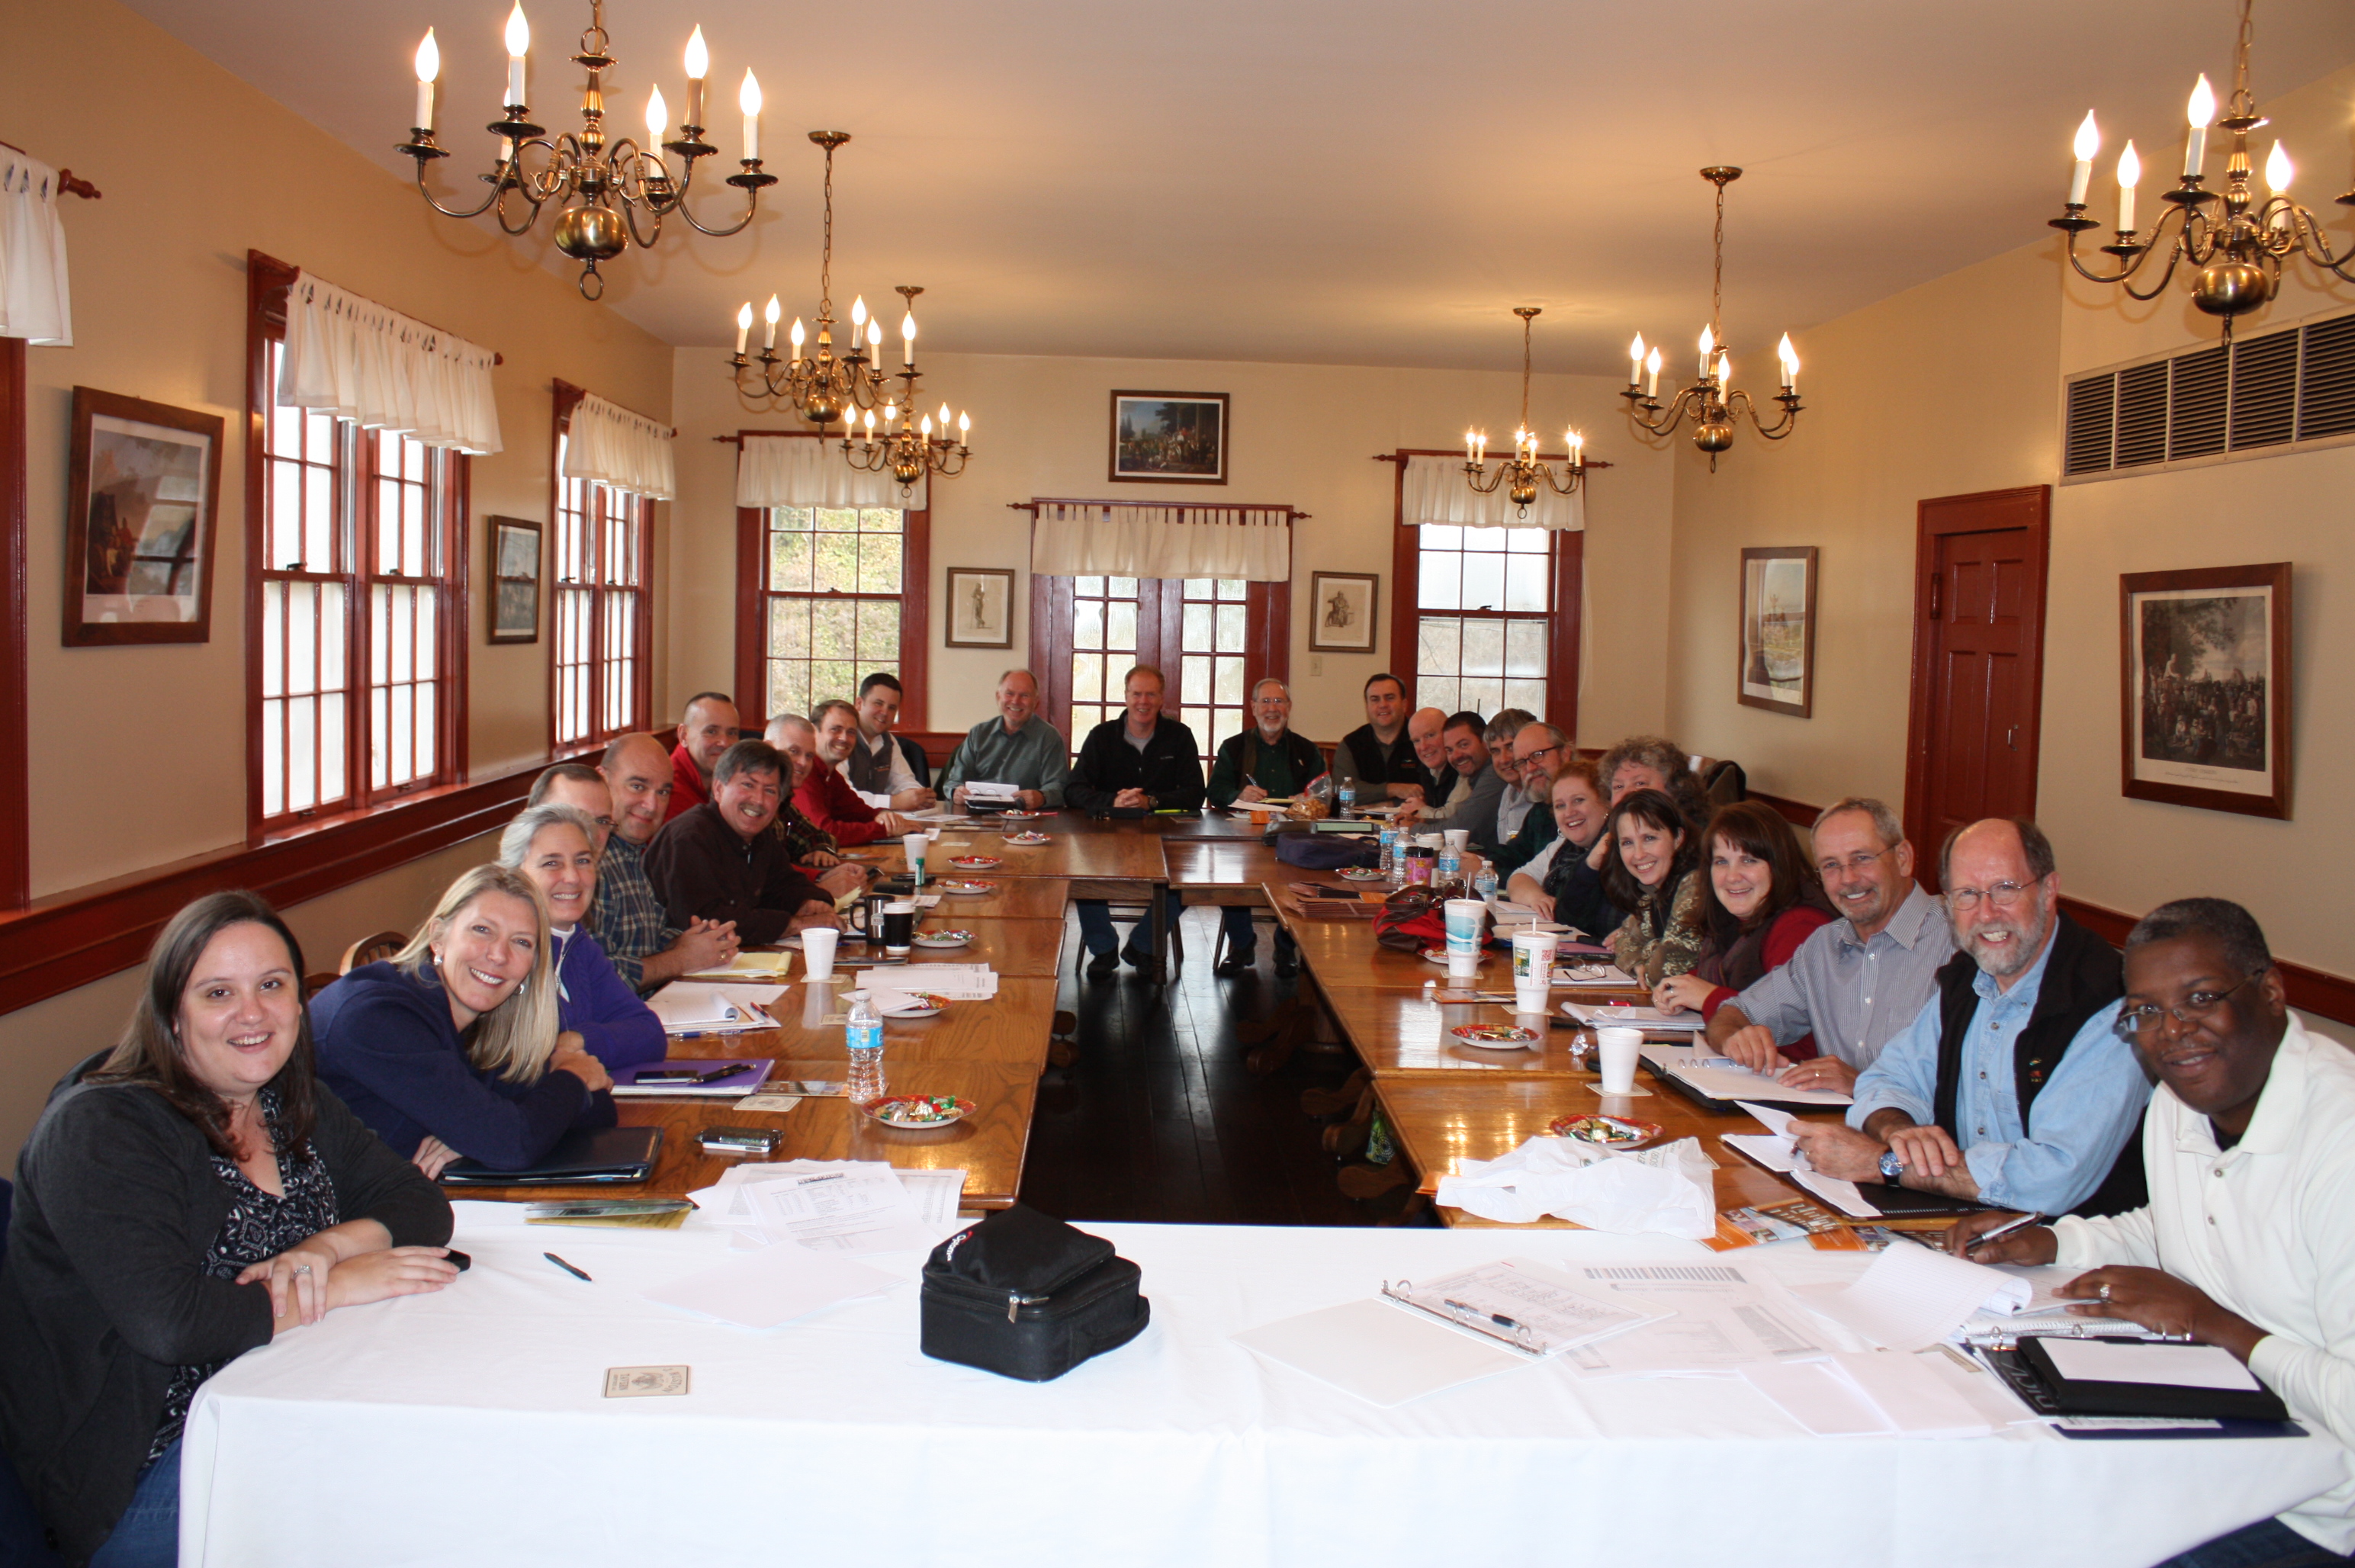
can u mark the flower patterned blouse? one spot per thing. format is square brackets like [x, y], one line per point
[259, 1226]
[1653, 955]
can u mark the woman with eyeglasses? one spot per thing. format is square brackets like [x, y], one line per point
[1651, 871]
[1758, 903]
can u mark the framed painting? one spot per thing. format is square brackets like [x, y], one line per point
[515, 581]
[1169, 438]
[1778, 635]
[981, 608]
[1343, 618]
[2205, 701]
[143, 492]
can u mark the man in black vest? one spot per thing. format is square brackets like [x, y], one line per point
[1377, 757]
[2011, 1086]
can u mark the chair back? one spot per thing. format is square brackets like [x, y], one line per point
[370, 949]
[1724, 784]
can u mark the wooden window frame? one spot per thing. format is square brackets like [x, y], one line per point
[268, 281]
[567, 398]
[15, 820]
[1567, 622]
[1267, 641]
[915, 604]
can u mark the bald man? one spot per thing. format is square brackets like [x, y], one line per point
[626, 917]
[706, 729]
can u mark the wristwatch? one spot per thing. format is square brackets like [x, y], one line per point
[1891, 1167]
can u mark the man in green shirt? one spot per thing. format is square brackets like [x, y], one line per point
[1018, 748]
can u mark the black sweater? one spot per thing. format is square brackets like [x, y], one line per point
[1169, 769]
[104, 1291]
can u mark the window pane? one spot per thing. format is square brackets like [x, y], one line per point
[322, 442]
[1439, 647]
[1440, 580]
[1533, 541]
[1087, 680]
[882, 521]
[331, 740]
[835, 519]
[273, 757]
[1527, 695]
[424, 761]
[1087, 622]
[1233, 587]
[379, 706]
[1087, 587]
[318, 519]
[334, 631]
[789, 562]
[838, 563]
[879, 633]
[879, 564]
[1120, 587]
[285, 517]
[1194, 680]
[273, 644]
[1227, 688]
[1525, 647]
[1483, 581]
[404, 628]
[788, 631]
[788, 687]
[1230, 721]
[1438, 691]
[1120, 625]
[1197, 631]
[1525, 583]
[1230, 628]
[1484, 647]
[832, 678]
[1437, 536]
[303, 636]
[1484, 539]
[1201, 588]
[1198, 720]
[1481, 696]
[412, 530]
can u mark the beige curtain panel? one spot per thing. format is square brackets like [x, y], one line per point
[33, 296]
[1087, 541]
[789, 469]
[612, 446]
[1436, 493]
[365, 362]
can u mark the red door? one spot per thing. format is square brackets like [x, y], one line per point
[1978, 655]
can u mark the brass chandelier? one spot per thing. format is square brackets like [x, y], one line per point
[824, 386]
[1519, 475]
[604, 193]
[1712, 400]
[2239, 252]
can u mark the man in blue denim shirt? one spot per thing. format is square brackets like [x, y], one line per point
[2010, 1087]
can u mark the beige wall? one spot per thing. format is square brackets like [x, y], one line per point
[158, 277]
[1303, 435]
[1954, 387]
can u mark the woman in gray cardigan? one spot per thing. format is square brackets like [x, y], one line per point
[187, 1197]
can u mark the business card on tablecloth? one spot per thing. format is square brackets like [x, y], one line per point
[642, 1382]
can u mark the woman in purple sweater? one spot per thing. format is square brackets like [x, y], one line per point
[451, 1047]
[555, 846]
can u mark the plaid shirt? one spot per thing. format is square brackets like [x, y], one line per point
[627, 919]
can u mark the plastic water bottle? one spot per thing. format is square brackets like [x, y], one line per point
[1484, 886]
[863, 1035]
[1450, 865]
[1346, 794]
[1393, 870]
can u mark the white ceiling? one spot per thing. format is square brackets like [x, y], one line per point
[1328, 181]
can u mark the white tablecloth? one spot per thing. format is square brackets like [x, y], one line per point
[470, 1427]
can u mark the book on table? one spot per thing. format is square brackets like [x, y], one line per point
[601, 1155]
[683, 1076]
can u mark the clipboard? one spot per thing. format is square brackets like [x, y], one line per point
[1525, 1341]
[2077, 1396]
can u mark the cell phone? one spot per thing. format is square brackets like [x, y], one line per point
[738, 1140]
[463, 1260]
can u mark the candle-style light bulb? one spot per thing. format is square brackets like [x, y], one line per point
[944, 419]
[2201, 113]
[858, 318]
[928, 426]
[748, 98]
[429, 66]
[770, 314]
[2129, 177]
[799, 337]
[1652, 374]
[2089, 142]
[964, 428]
[874, 341]
[519, 46]
[870, 427]
[698, 66]
[657, 118]
[743, 324]
[2278, 171]
[1467, 446]
[1707, 343]
[1635, 359]
[908, 339]
[1790, 358]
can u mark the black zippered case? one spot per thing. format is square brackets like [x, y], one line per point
[1027, 1297]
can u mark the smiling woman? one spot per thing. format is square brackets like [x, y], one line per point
[555, 846]
[453, 1047]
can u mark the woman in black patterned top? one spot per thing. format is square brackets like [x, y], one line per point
[187, 1197]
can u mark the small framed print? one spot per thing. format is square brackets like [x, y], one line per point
[981, 608]
[143, 492]
[1344, 618]
[515, 581]
[1778, 630]
[2205, 702]
[1169, 438]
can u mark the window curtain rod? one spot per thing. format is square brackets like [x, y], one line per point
[1032, 507]
[67, 184]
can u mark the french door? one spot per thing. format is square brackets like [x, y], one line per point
[1212, 638]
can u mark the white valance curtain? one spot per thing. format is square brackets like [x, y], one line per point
[789, 469]
[1088, 539]
[33, 295]
[607, 444]
[365, 362]
[1436, 493]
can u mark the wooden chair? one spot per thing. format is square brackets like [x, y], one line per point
[315, 984]
[373, 949]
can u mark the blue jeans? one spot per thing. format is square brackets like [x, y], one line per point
[1243, 937]
[149, 1534]
[2268, 1543]
[1096, 928]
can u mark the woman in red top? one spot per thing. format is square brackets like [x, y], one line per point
[1760, 902]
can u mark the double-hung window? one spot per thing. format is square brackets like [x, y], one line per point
[600, 667]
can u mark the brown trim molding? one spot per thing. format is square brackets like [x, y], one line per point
[16, 835]
[1794, 811]
[87, 933]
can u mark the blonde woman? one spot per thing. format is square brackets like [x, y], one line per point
[451, 1047]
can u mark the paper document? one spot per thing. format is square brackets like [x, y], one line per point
[958, 982]
[1777, 1151]
[852, 1206]
[2043, 1282]
[1525, 1304]
[1724, 1318]
[1910, 1297]
[754, 966]
[2174, 1366]
[1870, 1394]
[983, 789]
[773, 1285]
[686, 1005]
[1613, 1014]
[1380, 1354]
[1722, 1078]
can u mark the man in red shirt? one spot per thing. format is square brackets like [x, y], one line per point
[708, 729]
[826, 798]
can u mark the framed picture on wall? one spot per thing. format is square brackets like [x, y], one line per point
[1778, 635]
[141, 491]
[981, 608]
[1341, 618]
[515, 581]
[1169, 438]
[2204, 719]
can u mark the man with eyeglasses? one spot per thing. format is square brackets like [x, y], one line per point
[2247, 1242]
[1823, 1017]
[2011, 1086]
[1538, 749]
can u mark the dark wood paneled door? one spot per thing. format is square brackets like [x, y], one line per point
[1210, 637]
[1979, 659]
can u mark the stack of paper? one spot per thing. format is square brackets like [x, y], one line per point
[983, 789]
[753, 967]
[1776, 1150]
[1912, 1297]
[958, 982]
[850, 1206]
[692, 1006]
[1651, 1020]
[1722, 1078]
[1727, 1316]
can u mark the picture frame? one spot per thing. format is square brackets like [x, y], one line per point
[1342, 616]
[143, 516]
[1168, 438]
[515, 579]
[2205, 693]
[1775, 635]
[981, 607]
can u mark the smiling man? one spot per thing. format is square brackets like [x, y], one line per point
[1140, 763]
[1378, 755]
[720, 862]
[824, 797]
[706, 729]
[878, 765]
[1857, 982]
[627, 918]
[1016, 748]
[2246, 1243]
[2011, 1086]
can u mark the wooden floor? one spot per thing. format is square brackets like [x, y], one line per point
[1159, 1120]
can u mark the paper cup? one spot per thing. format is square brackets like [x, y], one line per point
[1533, 958]
[1463, 917]
[1529, 1000]
[1457, 838]
[1463, 965]
[817, 950]
[1617, 1049]
[915, 844]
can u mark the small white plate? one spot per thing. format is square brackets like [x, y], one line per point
[1361, 874]
[943, 938]
[932, 1115]
[965, 890]
[921, 1004]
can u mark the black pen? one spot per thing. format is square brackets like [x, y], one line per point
[567, 1267]
[1497, 1317]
